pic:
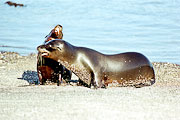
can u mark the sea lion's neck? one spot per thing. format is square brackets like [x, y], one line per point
[67, 64]
[69, 57]
[78, 70]
[76, 64]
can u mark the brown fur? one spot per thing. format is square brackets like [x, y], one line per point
[101, 70]
[14, 4]
[49, 69]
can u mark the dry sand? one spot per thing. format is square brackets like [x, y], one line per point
[19, 100]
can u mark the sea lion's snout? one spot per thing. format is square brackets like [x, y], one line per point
[40, 47]
[43, 51]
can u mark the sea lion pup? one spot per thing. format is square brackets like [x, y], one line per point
[49, 69]
[100, 70]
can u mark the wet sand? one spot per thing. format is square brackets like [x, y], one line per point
[20, 100]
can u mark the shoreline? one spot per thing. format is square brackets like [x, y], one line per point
[19, 100]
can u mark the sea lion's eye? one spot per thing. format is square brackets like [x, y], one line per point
[50, 48]
[60, 47]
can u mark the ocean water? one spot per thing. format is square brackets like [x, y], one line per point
[151, 27]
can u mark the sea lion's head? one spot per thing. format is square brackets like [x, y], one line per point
[55, 33]
[58, 50]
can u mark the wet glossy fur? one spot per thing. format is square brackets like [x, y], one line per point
[100, 70]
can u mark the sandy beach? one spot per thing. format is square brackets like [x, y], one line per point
[21, 100]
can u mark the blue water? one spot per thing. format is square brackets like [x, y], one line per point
[151, 27]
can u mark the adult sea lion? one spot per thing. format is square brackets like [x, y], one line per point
[49, 69]
[100, 70]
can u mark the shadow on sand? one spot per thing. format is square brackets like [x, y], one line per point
[31, 77]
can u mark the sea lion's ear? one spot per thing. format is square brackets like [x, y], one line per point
[60, 47]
